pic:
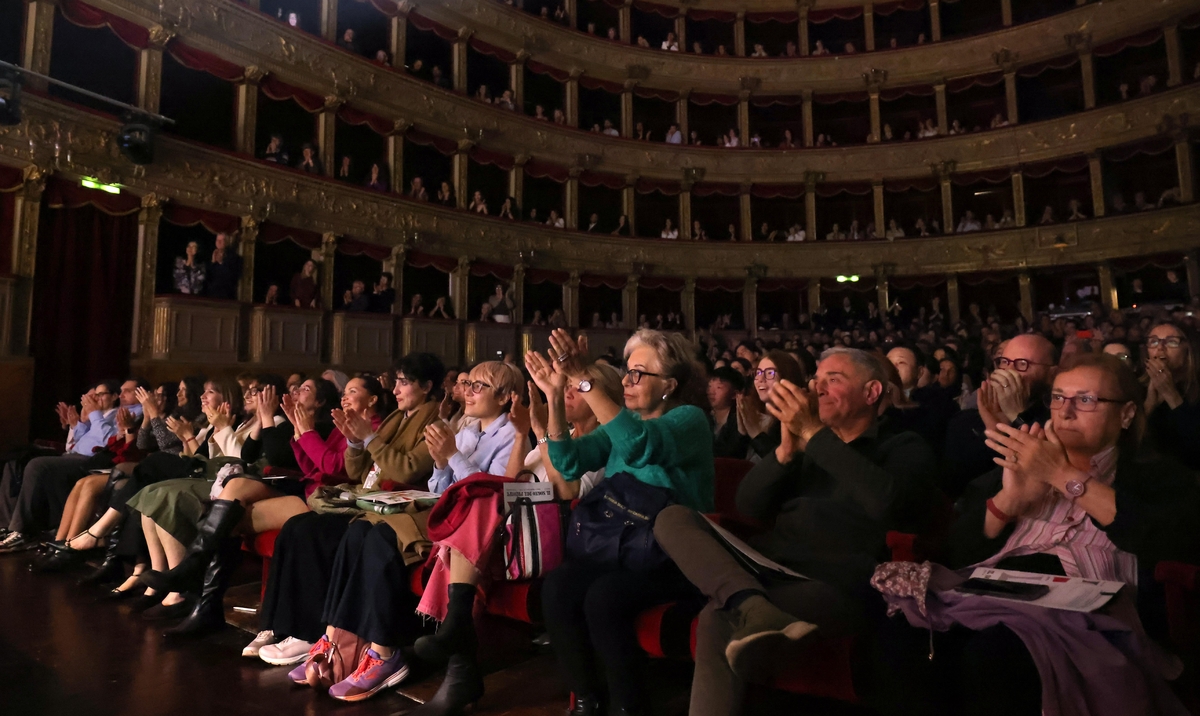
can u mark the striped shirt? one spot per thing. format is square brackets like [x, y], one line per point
[1059, 527]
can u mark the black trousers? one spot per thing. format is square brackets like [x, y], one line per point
[369, 593]
[590, 609]
[972, 673]
[301, 569]
[47, 484]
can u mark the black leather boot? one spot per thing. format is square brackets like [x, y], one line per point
[462, 687]
[209, 613]
[456, 635]
[584, 706]
[223, 517]
[109, 570]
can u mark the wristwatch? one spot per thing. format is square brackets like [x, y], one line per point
[1075, 488]
[585, 385]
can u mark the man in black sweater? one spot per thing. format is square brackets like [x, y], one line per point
[838, 482]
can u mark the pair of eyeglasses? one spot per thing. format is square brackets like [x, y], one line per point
[635, 375]
[476, 387]
[768, 373]
[256, 391]
[1169, 342]
[1082, 403]
[1020, 364]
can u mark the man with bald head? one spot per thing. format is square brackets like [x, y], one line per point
[839, 480]
[1013, 394]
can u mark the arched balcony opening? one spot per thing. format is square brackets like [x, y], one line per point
[601, 294]
[428, 52]
[429, 161]
[715, 212]
[847, 303]
[371, 29]
[599, 102]
[545, 86]
[659, 301]
[653, 113]
[911, 204]
[719, 302]
[915, 296]
[985, 194]
[780, 304]
[279, 254]
[776, 34]
[1030, 10]
[1148, 279]
[427, 276]
[545, 192]
[488, 70]
[960, 19]
[652, 23]
[905, 109]
[543, 295]
[482, 281]
[488, 174]
[1140, 176]
[843, 209]
[841, 119]
[977, 101]
[600, 202]
[1050, 89]
[777, 212]
[997, 294]
[711, 117]
[180, 226]
[356, 261]
[1131, 67]
[202, 105]
[363, 147]
[657, 202]
[597, 17]
[1051, 187]
[712, 30]
[302, 14]
[12, 29]
[837, 31]
[280, 114]
[1065, 287]
[81, 35]
[901, 24]
[773, 118]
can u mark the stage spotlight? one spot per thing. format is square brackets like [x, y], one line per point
[136, 139]
[10, 97]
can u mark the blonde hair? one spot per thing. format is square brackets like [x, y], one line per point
[677, 359]
[608, 379]
[505, 379]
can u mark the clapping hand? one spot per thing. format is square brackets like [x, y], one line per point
[149, 404]
[268, 405]
[796, 410]
[446, 407]
[62, 410]
[1024, 454]
[441, 444]
[539, 414]
[543, 373]
[352, 424]
[181, 428]
[1011, 393]
[1162, 385]
[567, 353]
[125, 420]
[220, 418]
[518, 414]
[385, 379]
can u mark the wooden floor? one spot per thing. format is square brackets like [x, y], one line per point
[64, 652]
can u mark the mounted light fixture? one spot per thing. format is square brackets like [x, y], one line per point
[136, 138]
[89, 183]
[852, 278]
[10, 97]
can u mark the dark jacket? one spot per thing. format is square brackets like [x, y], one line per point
[966, 457]
[1177, 432]
[728, 442]
[1158, 501]
[223, 277]
[834, 504]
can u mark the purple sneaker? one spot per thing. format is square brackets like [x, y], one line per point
[372, 675]
[300, 673]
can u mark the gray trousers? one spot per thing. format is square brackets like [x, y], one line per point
[704, 559]
[47, 484]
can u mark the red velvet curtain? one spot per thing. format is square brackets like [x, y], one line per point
[82, 305]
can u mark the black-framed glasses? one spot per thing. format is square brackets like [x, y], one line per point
[255, 391]
[768, 373]
[1020, 364]
[635, 375]
[1082, 403]
[477, 386]
[1169, 341]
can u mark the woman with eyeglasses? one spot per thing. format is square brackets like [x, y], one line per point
[1078, 497]
[1173, 391]
[659, 434]
[753, 420]
[390, 454]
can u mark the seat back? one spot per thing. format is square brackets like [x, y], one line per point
[730, 473]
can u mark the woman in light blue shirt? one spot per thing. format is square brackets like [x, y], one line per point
[485, 440]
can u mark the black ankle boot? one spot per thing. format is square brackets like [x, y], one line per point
[584, 706]
[109, 570]
[462, 687]
[456, 635]
[209, 613]
[58, 560]
[223, 517]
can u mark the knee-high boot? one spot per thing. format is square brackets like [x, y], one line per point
[223, 517]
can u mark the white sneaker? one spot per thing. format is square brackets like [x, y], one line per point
[289, 651]
[264, 638]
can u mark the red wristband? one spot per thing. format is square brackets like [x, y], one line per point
[998, 513]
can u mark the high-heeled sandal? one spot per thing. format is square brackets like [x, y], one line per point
[66, 544]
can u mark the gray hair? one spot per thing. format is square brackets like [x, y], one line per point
[677, 359]
[866, 362]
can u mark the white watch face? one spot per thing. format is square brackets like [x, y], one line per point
[1075, 488]
[585, 386]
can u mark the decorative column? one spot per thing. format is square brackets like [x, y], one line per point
[458, 60]
[572, 108]
[681, 29]
[814, 297]
[1184, 166]
[571, 198]
[953, 302]
[1108, 290]
[326, 133]
[944, 170]
[246, 122]
[624, 25]
[629, 302]
[877, 195]
[750, 305]
[802, 28]
[743, 117]
[627, 109]
[516, 180]
[1097, 178]
[810, 203]
[328, 252]
[572, 9]
[1006, 59]
[739, 34]
[24, 257]
[1006, 13]
[806, 115]
[398, 39]
[685, 212]
[873, 99]
[247, 242]
[329, 20]
[1174, 55]
[687, 305]
[145, 273]
[629, 202]
[882, 299]
[458, 288]
[516, 80]
[1018, 189]
[395, 154]
[458, 171]
[149, 69]
[395, 266]
[935, 21]
[570, 302]
[1025, 283]
[39, 34]
[1081, 42]
[681, 114]
[746, 221]
[518, 293]
[939, 97]
[869, 25]
[1192, 262]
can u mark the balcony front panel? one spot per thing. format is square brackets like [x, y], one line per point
[362, 341]
[196, 330]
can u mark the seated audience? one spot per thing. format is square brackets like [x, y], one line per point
[725, 387]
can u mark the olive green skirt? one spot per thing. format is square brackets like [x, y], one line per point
[177, 506]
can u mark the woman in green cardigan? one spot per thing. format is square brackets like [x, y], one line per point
[661, 437]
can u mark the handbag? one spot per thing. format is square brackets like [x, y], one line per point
[613, 525]
[533, 536]
[325, 670]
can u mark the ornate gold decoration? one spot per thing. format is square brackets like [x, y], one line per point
[874, 78]
[1080, 41]
[160, 36]
[254, 75]
[637, 72]
[1007, 59]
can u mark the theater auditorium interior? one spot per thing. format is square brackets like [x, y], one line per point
[600, 357]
